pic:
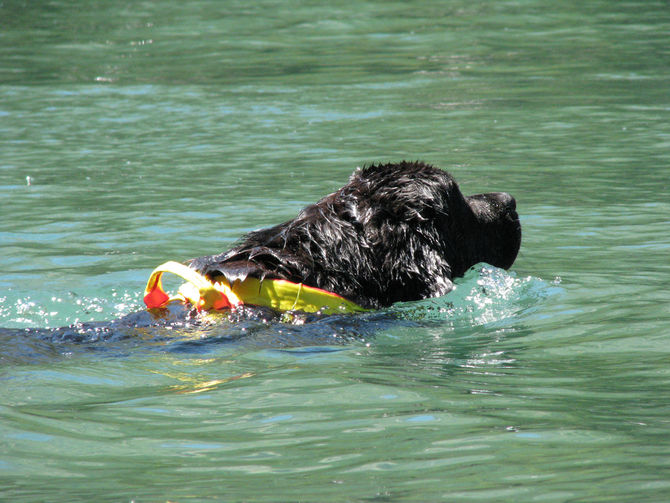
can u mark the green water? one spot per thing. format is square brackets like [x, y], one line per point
[136, 132]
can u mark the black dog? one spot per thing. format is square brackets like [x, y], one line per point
[394, 232]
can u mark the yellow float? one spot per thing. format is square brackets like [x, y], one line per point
[278, 294]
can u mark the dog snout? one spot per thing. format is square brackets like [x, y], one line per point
[504, 200]
[493, 203]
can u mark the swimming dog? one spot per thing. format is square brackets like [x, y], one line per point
[395, 232]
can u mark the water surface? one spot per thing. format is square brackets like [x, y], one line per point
[131, 134]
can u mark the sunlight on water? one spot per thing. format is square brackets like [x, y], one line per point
[30, 312]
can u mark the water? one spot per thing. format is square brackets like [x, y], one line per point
[131, 134]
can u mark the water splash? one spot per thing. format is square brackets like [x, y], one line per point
[484, 295]
[33, 310]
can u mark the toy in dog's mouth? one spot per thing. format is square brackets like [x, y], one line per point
[278, 294]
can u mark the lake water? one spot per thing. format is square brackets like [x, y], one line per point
[132, 133]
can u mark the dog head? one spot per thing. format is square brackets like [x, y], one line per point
[421, 231]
